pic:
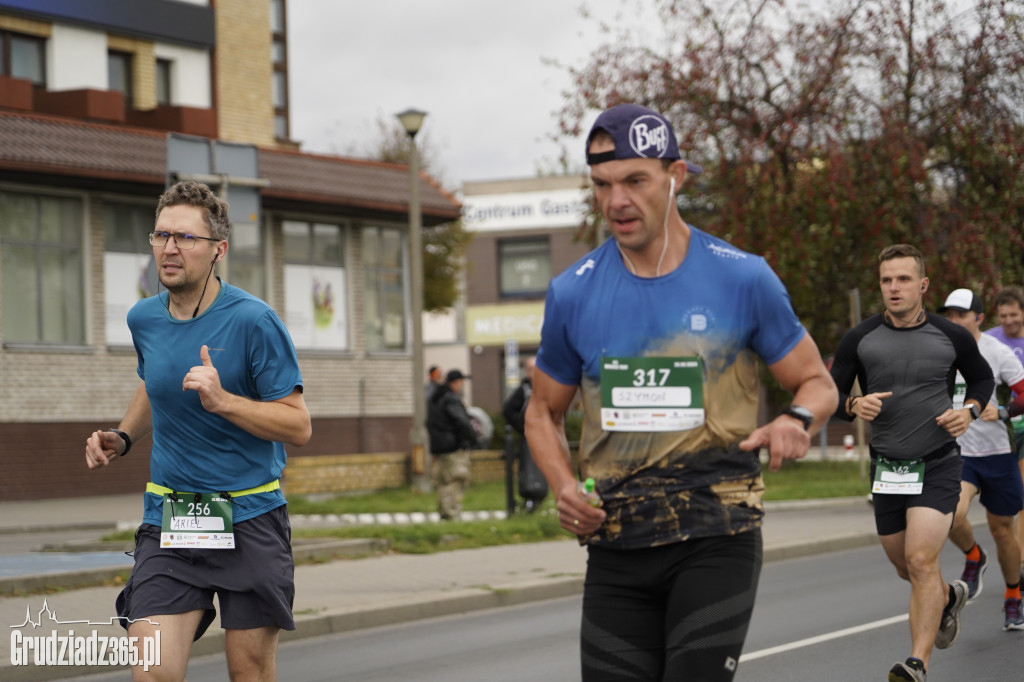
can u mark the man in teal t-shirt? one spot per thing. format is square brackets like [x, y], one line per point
[221, 394]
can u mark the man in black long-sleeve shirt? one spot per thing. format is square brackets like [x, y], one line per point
[906, 361]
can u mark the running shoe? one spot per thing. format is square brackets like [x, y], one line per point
[912, 671]
[1014, 617]
[949, 627]
[973, 573]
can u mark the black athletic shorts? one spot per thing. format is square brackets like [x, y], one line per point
[941, 491]
[673, 612]
[254, 582]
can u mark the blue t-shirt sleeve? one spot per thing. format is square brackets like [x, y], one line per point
[275, 366]
[557, 357]
[777, 329]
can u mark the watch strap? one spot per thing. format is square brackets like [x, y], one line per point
[801, 413]
[125, 437]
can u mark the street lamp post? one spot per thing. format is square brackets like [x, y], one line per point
[419, 443]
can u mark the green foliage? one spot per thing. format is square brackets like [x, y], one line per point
[803, 480]
[425, 538]
[444, 248]
[827, 136]
[479, 497]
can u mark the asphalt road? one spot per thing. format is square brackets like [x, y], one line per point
[838, 617]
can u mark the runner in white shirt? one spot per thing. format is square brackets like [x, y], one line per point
[989, 464]
[1010, 330]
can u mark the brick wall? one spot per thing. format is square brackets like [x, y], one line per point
[30, 27]
[47, 460]
[243, 72]
[43, 461]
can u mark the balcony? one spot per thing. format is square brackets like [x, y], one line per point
[188, 120]
[106, 106]
[15, 93]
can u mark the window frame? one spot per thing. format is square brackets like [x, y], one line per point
[543, 242]
[6, 55]
[279, 36]
[164, 83]
[379, 275]
[39, 246]
[128, 61]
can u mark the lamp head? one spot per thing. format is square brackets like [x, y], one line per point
[412, 120]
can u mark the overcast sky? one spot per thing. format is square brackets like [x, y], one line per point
[474, 65]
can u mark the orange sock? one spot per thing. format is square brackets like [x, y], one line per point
[1013, 592]
[974, 554]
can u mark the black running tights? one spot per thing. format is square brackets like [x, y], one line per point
[676, 612]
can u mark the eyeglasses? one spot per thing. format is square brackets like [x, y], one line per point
[183, 241]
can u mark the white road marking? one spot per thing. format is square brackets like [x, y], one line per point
[818, 639]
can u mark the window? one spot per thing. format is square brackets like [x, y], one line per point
[315, 285]
[279, 90]
[43, 269]
[23, 56]
[163, 81]
[524, 267]
[128, 266]
[277, 16]
[279, 57]
[384, 268]
[245, 266]
[119, 74]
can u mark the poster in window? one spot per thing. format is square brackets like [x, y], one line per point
[315, 307]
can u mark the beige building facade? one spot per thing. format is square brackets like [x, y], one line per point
[87, 103]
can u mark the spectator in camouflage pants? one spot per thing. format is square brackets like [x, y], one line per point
[452, 436]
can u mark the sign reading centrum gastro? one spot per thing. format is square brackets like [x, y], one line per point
[493, 325]
[514, 210]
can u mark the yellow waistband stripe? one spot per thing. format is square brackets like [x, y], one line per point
[265, 488]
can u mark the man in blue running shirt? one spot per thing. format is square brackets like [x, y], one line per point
[660, 329]
[221, 394]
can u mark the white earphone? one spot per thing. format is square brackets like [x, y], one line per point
[672, 187]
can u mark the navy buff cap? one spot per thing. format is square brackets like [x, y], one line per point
[638, 133]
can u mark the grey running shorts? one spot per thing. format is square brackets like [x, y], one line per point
[254, 582]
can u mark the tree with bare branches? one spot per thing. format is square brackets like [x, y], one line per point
[828, 135]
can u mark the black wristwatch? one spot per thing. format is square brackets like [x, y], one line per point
[801, 413]
[125, 438]
[975, 412]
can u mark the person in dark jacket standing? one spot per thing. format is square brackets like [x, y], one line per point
[532, 485]
[452, 436]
